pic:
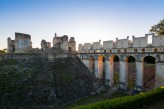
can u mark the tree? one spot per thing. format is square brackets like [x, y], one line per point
[3, 51]
[158, 29]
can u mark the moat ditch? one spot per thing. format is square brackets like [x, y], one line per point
[36, 82]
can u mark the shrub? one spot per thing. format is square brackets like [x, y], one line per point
[129, 102]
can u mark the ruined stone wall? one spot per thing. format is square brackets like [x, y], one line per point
[21, 43]
[72, 44]
[96, 45]
[140, 42]
[48, 44]
[56, 40]
[65, 43]
[10, 45]
[87, 46]
[43, 45]
[107, 44]
[80, 47]
[22, 40]
[61, 42]
[158, 40]
[122, 43]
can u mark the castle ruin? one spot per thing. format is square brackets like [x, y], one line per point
[107, 59]
[21, 43]
[63, 43]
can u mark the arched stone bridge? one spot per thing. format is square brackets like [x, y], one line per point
[145, 68]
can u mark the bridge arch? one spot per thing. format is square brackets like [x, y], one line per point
[130, 59]
[149, 59]
[130, 71]
[115, 59]
[101, 68]
[91, 66]
[149, 72]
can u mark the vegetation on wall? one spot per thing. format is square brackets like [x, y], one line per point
[17, 77]
[35, 81]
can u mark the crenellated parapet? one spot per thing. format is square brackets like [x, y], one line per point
[137, 44]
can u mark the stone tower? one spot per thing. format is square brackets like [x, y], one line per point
[72, 44]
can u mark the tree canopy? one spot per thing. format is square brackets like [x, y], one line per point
[3, 51]
[158, 29]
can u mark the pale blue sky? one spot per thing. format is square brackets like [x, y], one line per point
[86, 20]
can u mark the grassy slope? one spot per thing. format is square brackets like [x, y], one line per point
[94, 98]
